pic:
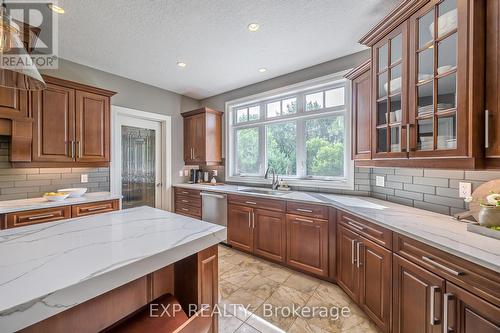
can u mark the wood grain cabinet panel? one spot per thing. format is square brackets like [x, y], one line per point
[94, 208]
[92, 127]
[202, 136]
[347, 273]
[14, 103]
[417, 298]
[239, 227]
[269, 234]
[492, 103]
[307, 244]
[54, 124]
[21, 219]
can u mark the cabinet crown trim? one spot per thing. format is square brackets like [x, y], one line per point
[199, 111]
[358, 70]
[78, 86]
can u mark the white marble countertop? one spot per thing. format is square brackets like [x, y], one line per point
[10, 206]
[438, 230]
[50, 267]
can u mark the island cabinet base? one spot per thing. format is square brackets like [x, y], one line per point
[192, 280]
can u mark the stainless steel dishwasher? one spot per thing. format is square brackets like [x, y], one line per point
[214, 208]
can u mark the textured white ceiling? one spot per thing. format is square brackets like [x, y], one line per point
[143, 39]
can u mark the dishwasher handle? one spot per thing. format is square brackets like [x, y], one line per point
[218, 196]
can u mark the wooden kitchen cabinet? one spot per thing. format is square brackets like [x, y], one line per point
[202, 136]
[269, 234]
[361, 110]
[417, 298]
[347, 273]
[467, 313]
[239, 227]
[24, 218]
[14, 103]
[94, 208]
[71, 124]
[307, 244]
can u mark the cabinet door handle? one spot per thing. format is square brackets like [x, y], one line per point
[446, 299]
[441, 266]
[253, 220]
[39, 217]
[353, 246]
[358, 258]
[72, 149]
[79, 150]
[250, 202]
[304, 210]
[486, 129]
[432, 311]
[356, 226]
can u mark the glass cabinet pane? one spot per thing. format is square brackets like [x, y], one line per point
[382, 57]
[447, 20]
[382, 112]
[447, 132]
[382, 85]
[425, 137]
[447, 54]
[395, 83]
[396, 49]
[425, 99]
[395, 115]
[396, 139]
[447, 92]
[382, 139]
[426, 29]
[425, 65]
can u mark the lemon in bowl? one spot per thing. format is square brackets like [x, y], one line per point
[55, 196]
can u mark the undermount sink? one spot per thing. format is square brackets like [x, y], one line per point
[262, 191]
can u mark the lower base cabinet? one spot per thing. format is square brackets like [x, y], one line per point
[269, 234]
[307, 244]
[239, 227]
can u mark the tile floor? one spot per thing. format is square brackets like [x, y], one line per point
[253, 291]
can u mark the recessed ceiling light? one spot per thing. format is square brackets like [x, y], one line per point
[253, 27]
[262, 70]
[56, 9]
[181, 64]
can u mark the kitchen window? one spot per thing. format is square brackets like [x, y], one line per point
[301, 131]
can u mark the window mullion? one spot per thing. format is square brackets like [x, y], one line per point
[301, 149]
[262, 150]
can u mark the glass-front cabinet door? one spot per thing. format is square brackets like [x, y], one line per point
[389, 82]
[438, 80]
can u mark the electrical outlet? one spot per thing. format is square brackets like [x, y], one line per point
[84, 178]
[181, 173]
[186, 173]
[380, 181]
[464, 190]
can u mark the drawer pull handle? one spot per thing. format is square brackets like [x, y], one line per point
[432, 314]
[355, 226]
[38, 217]
[185, 200]
[304, 220]
[184, 192]
[92, 209]
[443, 267]
[185, 209]
[304, 210]
[251, 202]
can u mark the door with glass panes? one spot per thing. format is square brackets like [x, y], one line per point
[438, 79]
[389, 73]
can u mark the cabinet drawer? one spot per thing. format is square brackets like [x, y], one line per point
[186, 192]
[188, 210]
[261, 203]
[20, 219]
[187, 200]
[474, 278]
[316, 211]
[94, 208]
[370, 230]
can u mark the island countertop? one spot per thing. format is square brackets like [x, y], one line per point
[437, 230]
[48, 268]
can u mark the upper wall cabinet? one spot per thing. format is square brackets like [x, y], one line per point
[13, 103]
[428, 84]
[202, 137]
[71, 123]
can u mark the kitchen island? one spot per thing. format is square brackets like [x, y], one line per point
[49, 269]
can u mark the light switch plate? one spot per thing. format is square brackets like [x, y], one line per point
[186, 173]
[215, 173]
[464, 190]
[380, 181]
[181, 173]
[84, 178]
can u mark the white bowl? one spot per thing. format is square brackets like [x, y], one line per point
[74, 192]
[56, 197]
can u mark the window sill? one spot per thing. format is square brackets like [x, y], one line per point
[330, 184]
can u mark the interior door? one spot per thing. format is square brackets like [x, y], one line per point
[269, 234]
[347, 273]
[239, 227]
[92, 127]
[140, 161]
[54, 124]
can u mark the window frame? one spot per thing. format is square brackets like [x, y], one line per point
[298, 91]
